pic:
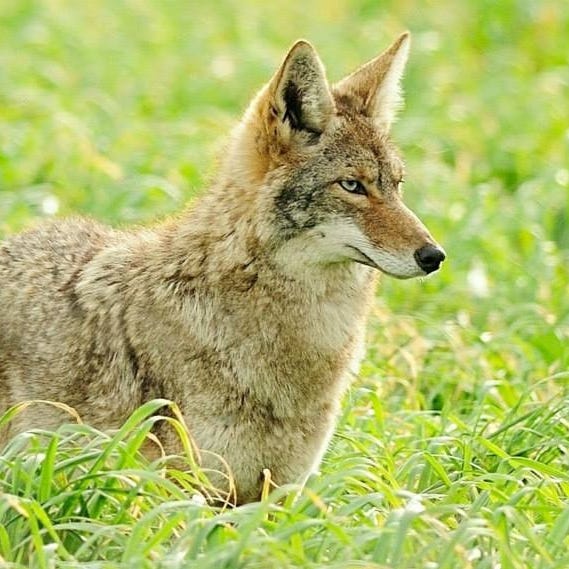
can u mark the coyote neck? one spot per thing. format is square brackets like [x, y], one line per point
[285, 337]
[220, 241]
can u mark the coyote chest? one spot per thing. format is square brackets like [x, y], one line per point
[259, 385]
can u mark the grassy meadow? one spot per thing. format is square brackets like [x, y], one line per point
[453, 447]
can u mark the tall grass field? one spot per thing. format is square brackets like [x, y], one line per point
[452, 451]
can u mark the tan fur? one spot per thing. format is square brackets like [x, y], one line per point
[249, 308]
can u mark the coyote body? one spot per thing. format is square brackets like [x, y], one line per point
[248, 309]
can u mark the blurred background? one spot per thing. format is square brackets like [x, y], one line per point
[117, 110]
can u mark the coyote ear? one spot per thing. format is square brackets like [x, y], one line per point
[374, 89]
[299, 91]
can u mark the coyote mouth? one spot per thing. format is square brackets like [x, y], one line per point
[365, 259]
[368, 261]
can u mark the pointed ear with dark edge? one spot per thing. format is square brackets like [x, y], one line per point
[299, 92]
[374, 89]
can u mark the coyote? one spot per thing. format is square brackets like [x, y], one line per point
[249, 308]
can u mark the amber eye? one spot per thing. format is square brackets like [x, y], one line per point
[353, 186]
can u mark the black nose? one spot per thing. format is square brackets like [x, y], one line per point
[429, 258]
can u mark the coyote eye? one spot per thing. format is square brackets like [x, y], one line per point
[353, 186]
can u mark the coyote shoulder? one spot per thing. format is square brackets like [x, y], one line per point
[249, 308]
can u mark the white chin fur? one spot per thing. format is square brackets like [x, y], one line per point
[400, 266]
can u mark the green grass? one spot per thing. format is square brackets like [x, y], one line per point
[453, 447]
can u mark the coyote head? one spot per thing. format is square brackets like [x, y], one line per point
[316, 165]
